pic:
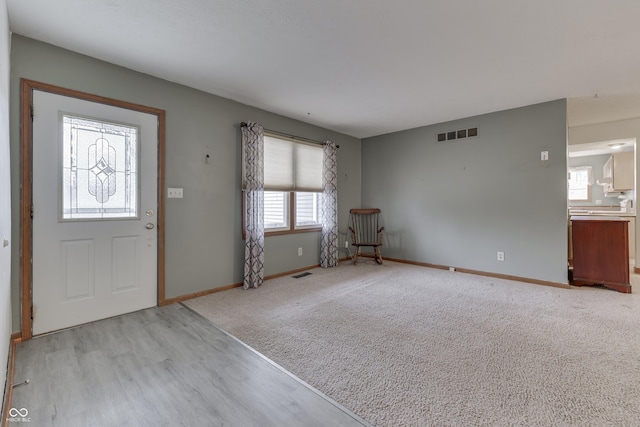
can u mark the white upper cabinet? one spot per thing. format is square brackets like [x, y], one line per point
[618, 172]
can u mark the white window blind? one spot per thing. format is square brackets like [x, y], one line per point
[292, 166]
[292, 183]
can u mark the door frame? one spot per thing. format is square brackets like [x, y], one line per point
[26, 188]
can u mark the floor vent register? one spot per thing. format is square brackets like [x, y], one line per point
[297, 276]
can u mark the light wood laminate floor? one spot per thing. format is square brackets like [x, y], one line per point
[165, 366]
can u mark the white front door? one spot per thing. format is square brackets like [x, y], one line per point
[94, 211]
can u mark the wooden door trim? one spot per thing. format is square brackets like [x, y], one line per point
[26, 187]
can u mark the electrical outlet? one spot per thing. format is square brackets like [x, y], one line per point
[500, 256]
[174, 193]
[544, 156]
[299, 251]
[452, 269]
[346, 244]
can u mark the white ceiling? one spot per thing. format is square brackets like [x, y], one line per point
[601, 147]
[364, 67]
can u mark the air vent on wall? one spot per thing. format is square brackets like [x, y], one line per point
[460, 134]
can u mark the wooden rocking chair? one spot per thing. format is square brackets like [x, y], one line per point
[366, 231]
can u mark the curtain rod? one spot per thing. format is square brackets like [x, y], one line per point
[299, 138]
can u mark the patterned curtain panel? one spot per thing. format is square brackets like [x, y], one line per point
[253, 146]
[329, 242]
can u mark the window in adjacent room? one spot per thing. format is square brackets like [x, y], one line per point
[580, 182]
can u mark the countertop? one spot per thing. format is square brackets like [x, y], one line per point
[610, 218]
[596, 212]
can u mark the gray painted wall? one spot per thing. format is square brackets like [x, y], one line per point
[457, 203]
[204, 247]
[5, 200]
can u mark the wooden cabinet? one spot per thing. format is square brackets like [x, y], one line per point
[601, 252]
[618, 172]
[632, 238]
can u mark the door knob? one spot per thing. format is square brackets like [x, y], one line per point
[149, 226]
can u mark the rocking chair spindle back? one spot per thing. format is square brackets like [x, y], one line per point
[366, 232]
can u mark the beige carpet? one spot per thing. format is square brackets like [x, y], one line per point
[405, 345]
